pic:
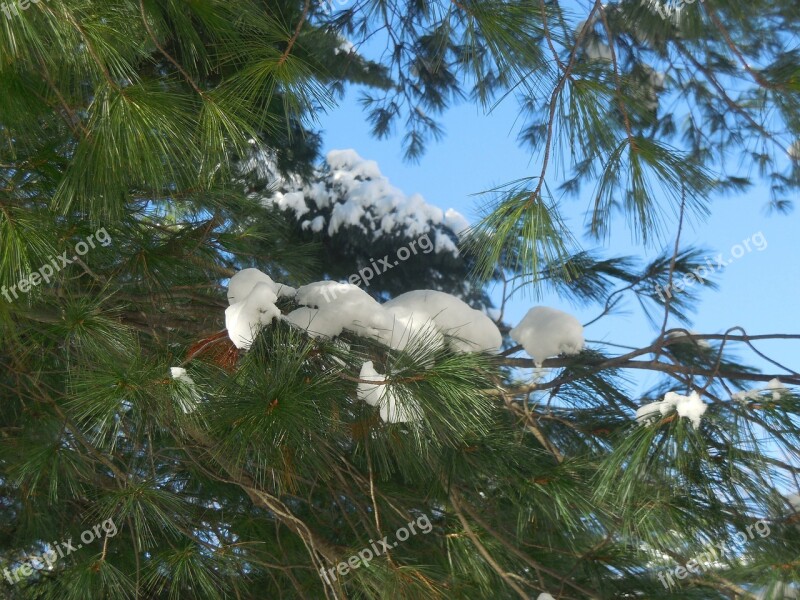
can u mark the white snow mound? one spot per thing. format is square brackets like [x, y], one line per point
[546, 332]
[309, 320]
[423, 318]
[241, 284]
[371, 394]
[344, 306]
[243, 319]
[467, 329]
[391, 410]
[691, 407]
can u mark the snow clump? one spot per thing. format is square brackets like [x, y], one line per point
[426, 318]
[773, 385]
[691, 407]
[188, 400]
[381, 396]
[546, 332]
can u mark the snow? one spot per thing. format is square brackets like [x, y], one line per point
[777, 388]
[371, 394]
[317, 224]
[443, 243]
[180, 374]
[424, 317]
[774, 385]
[597, 50]
[691, 407]
[356, 194]
[292, 200]
[676, 334]
[411, 317]
[546, 332]
[187, 401]
[345, 47]
[344, 306]
[391, 410]
[308, 319]
[467, 329]
[410, 330]
[455, 221]
[648, 411]
[326, 309]
[243, 319]
[347, 213]
[243, 282]
[324, 293]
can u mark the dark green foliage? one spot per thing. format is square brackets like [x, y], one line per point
[126, 122]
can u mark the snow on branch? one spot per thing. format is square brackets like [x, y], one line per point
[349, 191]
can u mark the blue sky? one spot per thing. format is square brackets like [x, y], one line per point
[757, 291]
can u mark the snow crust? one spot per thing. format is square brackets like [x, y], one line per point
[545, 332]
[691, 407]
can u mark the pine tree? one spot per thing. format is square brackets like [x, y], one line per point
[366, 229]
[144, 455]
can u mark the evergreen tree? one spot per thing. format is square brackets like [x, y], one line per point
[147, 451]
[366, 229]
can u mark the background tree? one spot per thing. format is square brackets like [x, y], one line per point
[252, 473]
[353, 214]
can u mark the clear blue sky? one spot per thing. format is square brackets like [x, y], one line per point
[758, 291]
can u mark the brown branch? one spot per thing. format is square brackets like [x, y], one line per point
[759, 79]
[631, 364]
[554, 98]
[482, 549]
[317, 548]
[618, 81]
[296, 34]
[166, 54]
[530, 423]
[724, 95]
